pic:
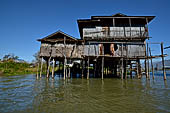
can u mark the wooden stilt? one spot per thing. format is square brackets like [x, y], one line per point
[137, 69]
[102, 67]
[131, 70]
[64, 68]
[69, 72]
[88, 65]
[37, 69]
[48, 71]
[125, 69]
[66, 72]
[94, 67]
[148, 61]
[53, 68]
[163, 63]
[46, 66]
[82, 70]
[41, 66]
[122, 70]
[146, 70]
[151, 63]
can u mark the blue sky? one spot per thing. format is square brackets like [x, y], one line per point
[22, 22]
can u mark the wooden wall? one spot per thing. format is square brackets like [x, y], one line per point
[77, 51]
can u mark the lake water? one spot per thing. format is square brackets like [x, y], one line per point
[26, 94]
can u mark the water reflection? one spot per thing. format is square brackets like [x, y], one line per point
[28, 94]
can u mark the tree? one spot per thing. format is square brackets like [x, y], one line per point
[37, 57]
[10, 56]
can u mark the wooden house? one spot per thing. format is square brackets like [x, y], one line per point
[111, 43]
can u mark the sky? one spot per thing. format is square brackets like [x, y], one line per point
[22, 22]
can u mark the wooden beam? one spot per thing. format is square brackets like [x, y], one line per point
[163, 63]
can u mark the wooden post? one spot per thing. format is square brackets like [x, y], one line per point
[82, 71]
[48, 71]
[88, 68]
[125, 70]
[122, 63]
[163, 63]
[53, 68]
[94, 68]
[64, 68]
[151, 63]
[146, 70]
[130, 69]
[137, 69]
[66, 72]
[37, 69]
[41, 66]
[69, 72]
[148, 61]
[102, 67]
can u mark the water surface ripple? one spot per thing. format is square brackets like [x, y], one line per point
[25, 93]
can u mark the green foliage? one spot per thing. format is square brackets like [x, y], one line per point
[13, 68]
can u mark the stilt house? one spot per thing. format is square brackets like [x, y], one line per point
[109, 44]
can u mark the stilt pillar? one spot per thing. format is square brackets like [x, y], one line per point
[151, 63]
[37, 69]
[41, 66]
[163, 63]
[131, 68]
[53, 68]
[102, 67]
[48, 70]
[88, 65]
[64, 68]
[146, 70]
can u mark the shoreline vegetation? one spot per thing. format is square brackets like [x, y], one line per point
[16, 68]
[13, 65]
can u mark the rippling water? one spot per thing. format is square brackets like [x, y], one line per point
[25, 93]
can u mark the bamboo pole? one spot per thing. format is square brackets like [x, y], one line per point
[151, 63]
[41, 66]
[53, 68]
[163, 63]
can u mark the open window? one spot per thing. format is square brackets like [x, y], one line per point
[108, 49]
